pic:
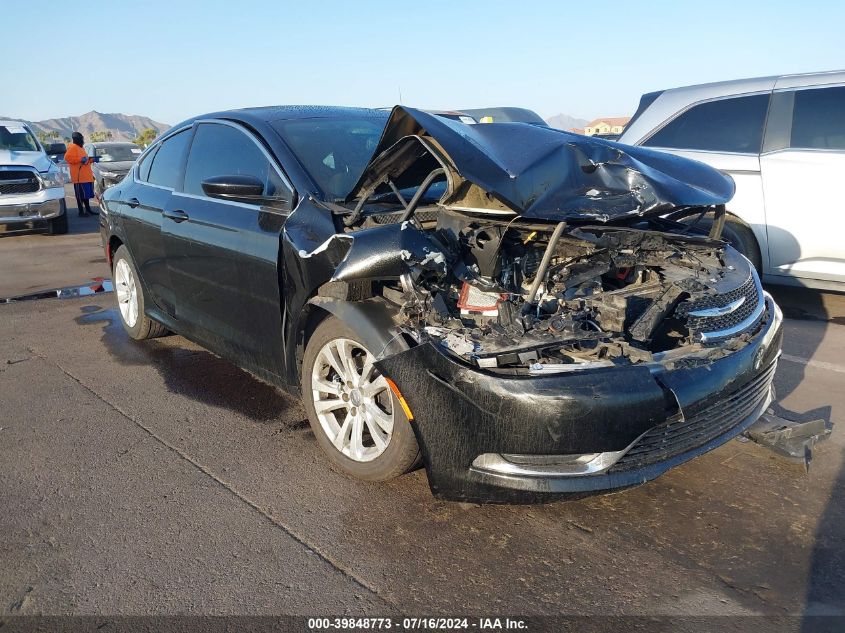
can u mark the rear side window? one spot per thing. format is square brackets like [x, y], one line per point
[221, 150]
[145, 164]
[727, 125]
[167, 162]
[818, 119]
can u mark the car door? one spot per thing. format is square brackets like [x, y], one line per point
[223, 255]
[142, 203]
[803, 165]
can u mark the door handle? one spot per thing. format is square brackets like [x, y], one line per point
[176, 215]
[133, 202]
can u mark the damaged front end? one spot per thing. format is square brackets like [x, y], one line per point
[563, 337]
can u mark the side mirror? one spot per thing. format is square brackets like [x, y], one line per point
[232, 187]
[56, 148]
[241, 188]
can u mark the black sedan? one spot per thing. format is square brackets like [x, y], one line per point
[507, 305]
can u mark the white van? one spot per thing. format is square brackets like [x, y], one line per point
[783, 141]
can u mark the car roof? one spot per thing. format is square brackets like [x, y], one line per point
[269, 114]
[111, 143]
[738, 86]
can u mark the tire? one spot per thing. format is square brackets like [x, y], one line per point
[58, 226]
[377, 455]
[737, 234]
[130, 299]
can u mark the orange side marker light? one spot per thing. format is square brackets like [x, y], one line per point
[400, 398]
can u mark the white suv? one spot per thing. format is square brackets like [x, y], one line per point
[31, 185]
[783, 141]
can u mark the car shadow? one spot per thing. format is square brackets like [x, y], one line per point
[192, 372]
[825, 588]
[825, 591]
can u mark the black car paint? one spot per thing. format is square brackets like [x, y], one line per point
[462, 412]
[249, 289]
[243, 262]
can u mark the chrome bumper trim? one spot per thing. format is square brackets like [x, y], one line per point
[548, 465]
[30, 212]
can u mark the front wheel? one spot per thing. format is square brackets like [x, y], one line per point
[358, 421]
[58, 225]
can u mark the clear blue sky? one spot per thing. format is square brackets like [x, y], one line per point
[171, 60]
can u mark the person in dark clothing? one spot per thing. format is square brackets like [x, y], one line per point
[80, 173]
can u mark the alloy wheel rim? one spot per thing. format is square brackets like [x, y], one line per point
[127, 293]
[352, 400]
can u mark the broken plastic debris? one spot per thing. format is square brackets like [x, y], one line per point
[789, 438]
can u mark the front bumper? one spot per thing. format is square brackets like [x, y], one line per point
[648, 419]
[45, 204]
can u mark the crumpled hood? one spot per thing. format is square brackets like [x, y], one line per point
[38, 160]
[540, 172]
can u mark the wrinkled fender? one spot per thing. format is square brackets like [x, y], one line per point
[374, 320]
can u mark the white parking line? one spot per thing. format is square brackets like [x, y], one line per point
[818, 364]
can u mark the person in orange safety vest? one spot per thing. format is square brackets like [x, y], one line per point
[80, 173]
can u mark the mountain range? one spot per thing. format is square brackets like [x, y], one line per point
[123, 127]
[566, 122]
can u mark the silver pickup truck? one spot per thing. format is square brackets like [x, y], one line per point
[31, 185]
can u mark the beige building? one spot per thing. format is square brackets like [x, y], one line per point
[607, 125]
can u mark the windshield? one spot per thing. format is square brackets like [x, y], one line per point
[17, 139]
[333, 151]
[117, 153]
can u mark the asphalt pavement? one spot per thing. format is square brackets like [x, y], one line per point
[156, 478]
[32, 261]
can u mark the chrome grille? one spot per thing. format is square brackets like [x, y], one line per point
[749, 296]
[675, 438]
[16, 181]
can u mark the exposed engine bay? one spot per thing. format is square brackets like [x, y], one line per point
[548, 298]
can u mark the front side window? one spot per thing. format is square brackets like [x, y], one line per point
[818, 119]
[167, 162]
[221, 150]
[727, 125]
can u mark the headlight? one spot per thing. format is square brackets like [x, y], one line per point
[110, 174]
[52, 179]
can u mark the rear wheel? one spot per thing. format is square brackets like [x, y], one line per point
[130, 299]
[358, 421]
[58, 226]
